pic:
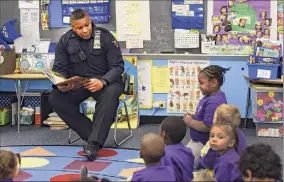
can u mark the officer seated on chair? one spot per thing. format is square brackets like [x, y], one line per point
[91, 52]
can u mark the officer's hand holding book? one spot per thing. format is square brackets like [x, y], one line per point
[94, 85]
[63, 84]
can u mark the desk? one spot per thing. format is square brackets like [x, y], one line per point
[18, 77]
[248, 103]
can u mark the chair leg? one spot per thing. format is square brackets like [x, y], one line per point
[128, 123]
[70, 141]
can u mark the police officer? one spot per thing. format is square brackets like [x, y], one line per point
[91, 52]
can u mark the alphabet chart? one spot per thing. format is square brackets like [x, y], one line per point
[184, 94]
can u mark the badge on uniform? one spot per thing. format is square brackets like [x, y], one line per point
[115, 43]
[97, 40]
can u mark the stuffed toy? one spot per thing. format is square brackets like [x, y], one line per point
[8, 34]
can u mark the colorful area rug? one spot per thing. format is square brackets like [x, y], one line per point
[63, 163]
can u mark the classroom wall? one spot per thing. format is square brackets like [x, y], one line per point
[235, 85]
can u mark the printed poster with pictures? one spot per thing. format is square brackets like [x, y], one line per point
[184, 94]
[280, 20]
[240, 22]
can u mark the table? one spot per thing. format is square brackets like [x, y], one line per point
[248, 103]
[18, 77]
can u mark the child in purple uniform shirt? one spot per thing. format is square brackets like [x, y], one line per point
[223, 140]
[210, 80]
[152, 150]
[260, 163]
[226, 113]
[173, 130]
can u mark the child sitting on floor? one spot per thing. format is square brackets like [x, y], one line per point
[210, 81]
[173, 130]
[223, 140]
[226, 113]
[260, 163]
[152, 150]
[9, 165]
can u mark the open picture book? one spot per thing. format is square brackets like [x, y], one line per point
[70, 83]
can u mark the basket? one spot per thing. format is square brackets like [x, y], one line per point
[4, 117]
[263, 71]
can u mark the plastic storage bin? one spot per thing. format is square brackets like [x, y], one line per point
[267, 103]
[27, 116]
[263, 71]
[4, 116]
[269, 129]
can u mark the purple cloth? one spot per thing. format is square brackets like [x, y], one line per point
[7, 180]
[242, 142]
[181, 159]
[155, 173]
[205, 113]
[208, 160]
[225, 167]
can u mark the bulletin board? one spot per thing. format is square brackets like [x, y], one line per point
[99, 11]
[187, 14]
[280, 20]
[240, 22]
[162, 34]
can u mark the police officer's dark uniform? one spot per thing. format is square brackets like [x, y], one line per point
[98, 57]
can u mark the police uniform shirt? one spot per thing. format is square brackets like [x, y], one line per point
[103, 59]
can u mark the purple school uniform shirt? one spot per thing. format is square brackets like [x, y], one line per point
[205, 113]
[224, 166]
[155, 173]
[242, 142]
[181, 159]
[208, 160]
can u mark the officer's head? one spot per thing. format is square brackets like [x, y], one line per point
[81, 23]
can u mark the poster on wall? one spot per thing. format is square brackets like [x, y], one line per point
[240, 22]
[280, 20]
[145, 93]
[184, 94]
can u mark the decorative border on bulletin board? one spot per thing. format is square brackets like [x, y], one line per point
[99, 11]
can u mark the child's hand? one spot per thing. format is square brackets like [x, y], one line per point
[187, 118]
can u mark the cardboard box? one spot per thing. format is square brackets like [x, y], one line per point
[8, 59]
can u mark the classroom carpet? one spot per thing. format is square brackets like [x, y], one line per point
[63, 163]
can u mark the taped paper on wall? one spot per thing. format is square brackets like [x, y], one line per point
[29, 15]
[145, 93]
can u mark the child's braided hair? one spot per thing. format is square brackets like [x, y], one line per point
[215, 72]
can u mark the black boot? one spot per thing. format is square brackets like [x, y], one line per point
[91, 150]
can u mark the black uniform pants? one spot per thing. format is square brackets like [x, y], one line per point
[66, 105]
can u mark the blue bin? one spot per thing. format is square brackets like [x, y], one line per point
[263, 71]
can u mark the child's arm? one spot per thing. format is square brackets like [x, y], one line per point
[207, 161]
[226, 172]
[205, 125]
[198, 125]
